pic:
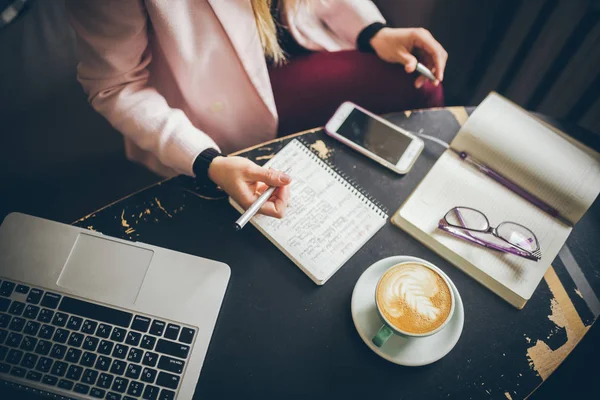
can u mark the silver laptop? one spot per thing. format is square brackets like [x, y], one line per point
[88, 316]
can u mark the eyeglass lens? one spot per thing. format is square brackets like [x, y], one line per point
[518, 235]
[467, 218]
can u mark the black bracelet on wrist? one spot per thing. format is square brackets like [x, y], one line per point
[202, 162]
[363, 42]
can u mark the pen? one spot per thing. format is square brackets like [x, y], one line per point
[501, 179]
[511, 186]
[253, 209]
[423, 70]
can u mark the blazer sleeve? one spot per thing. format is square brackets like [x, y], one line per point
[347, 18]
[113, 51]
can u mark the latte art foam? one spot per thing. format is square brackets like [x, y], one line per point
[414, 298]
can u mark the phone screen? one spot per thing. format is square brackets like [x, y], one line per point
[374, 136]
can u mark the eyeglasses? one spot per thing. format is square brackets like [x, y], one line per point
[460, 221]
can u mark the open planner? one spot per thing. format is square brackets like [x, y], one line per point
[328, 218]
[548, 164]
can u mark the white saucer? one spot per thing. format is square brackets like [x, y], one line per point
[399, 350]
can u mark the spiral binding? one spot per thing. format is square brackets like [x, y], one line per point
[346, 180]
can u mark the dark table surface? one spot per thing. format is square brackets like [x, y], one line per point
[279, 335]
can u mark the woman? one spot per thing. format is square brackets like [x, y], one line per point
[184, 80]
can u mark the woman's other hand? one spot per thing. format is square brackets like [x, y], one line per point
[396, 45]
[244, 181]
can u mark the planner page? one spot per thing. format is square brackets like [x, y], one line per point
[327, 220]
[563, 173]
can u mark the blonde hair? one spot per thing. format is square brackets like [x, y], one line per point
[267, 27]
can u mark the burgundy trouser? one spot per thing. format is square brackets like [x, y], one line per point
[309, 88]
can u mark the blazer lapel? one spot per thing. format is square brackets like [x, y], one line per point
[237, 19]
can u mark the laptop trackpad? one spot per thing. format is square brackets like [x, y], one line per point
[103, 268]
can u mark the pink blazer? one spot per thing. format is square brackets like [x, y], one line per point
[177, 77]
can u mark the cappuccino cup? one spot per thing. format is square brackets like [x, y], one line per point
[413, 300]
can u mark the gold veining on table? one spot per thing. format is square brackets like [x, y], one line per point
[542, 358]
[322, 150]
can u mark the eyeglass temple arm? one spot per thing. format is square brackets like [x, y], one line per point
[454, 231]
[459, 233]
[512, 249]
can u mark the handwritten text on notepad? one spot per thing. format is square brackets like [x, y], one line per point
[327, 220]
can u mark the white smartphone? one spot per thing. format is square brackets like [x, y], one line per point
[373, 136]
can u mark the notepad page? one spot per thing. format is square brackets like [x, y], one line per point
[452, 183]
[326, 222]
[508, 139]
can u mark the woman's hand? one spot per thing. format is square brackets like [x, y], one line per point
[395, 45]
[244, 181]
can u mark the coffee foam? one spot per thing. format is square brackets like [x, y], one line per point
[414, 298]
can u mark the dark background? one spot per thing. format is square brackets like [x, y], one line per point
[60, 160]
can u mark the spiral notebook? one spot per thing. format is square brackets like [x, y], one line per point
[329, 218]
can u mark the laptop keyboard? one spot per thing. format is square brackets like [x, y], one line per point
[87, 348]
